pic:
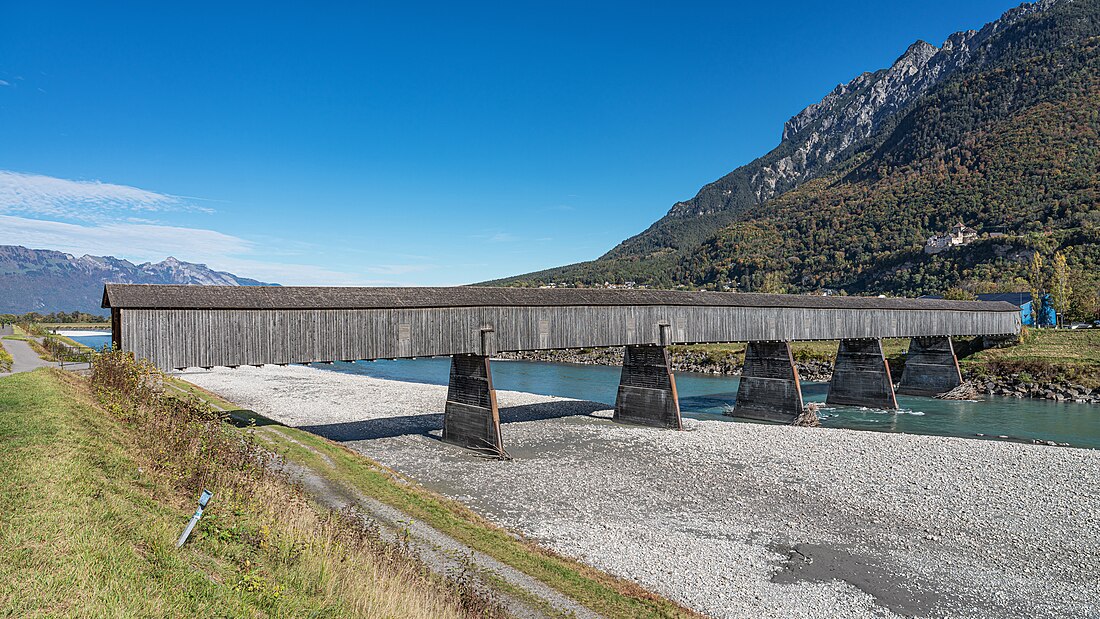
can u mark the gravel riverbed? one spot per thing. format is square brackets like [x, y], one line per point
[739, 519]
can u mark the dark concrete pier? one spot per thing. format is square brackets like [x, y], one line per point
[647, 389]
[931, 367]
[861, 376]
[770, 389]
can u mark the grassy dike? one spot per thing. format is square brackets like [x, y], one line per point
[68, 341]
[91, 514]
[98, 326]
[1050, 355]
[605, 594]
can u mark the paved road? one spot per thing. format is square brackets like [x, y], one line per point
[25, 359]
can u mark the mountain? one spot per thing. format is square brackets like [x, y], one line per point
[997, 127]
[45, 281]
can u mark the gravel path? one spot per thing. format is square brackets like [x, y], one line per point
[24, 359]
[736, 519]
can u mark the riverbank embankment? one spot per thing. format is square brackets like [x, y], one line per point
[1054, 364]
[719, 361]
[734, 519]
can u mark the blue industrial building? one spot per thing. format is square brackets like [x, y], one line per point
[1022, 300]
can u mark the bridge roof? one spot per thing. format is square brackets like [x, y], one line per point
[155, 296]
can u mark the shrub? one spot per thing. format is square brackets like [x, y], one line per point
[266, 516]
[5, 359]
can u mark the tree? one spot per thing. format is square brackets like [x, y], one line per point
[1038, 287]
[774, 283]
[1060, 290]
[1084, 298]
[959, 294]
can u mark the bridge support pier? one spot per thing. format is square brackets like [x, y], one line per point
[931, 367]
[647, 389]
[861, 376]
[471, 418]
[770, 389]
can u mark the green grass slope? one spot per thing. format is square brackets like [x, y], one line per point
[91, 515]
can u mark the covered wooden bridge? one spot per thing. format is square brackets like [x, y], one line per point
[204, 326]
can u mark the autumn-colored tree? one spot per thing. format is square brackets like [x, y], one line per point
[1060, 290]
[774, 283]
[1038, 287]
[959, 294]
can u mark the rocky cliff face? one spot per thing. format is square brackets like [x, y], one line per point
[1000, 98]
[42, 280]
[835, 127]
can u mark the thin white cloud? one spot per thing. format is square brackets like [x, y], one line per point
[95, 201]
[496, 237]
[299, 274]
[3, 83]
[152, 243]
[133, 241]
[107, 219]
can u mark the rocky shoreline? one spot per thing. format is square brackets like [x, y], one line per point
[682, 361]
[726, 364]
[1013, 386]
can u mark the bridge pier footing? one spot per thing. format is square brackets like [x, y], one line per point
[470, 417]
[861, 376]
[931, 367]
[647, 389]
[770, 389]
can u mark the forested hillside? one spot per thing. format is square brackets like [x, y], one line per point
[1009, 145]
[1030, 175]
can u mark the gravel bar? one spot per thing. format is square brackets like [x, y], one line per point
[740, 519]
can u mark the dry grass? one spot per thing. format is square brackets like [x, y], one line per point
[98, 484]
[608, 595]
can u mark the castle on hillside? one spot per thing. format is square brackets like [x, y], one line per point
[958, 235]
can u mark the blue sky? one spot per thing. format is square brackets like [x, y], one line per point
[416, 144]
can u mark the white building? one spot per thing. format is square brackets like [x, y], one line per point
[957, 236]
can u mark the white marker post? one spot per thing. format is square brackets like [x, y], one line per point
[203, 500]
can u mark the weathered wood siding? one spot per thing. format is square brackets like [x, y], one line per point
[176, 338]
[471, 417]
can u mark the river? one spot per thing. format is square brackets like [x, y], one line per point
[703, 396]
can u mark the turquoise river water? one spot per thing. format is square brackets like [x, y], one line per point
[703, 396]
